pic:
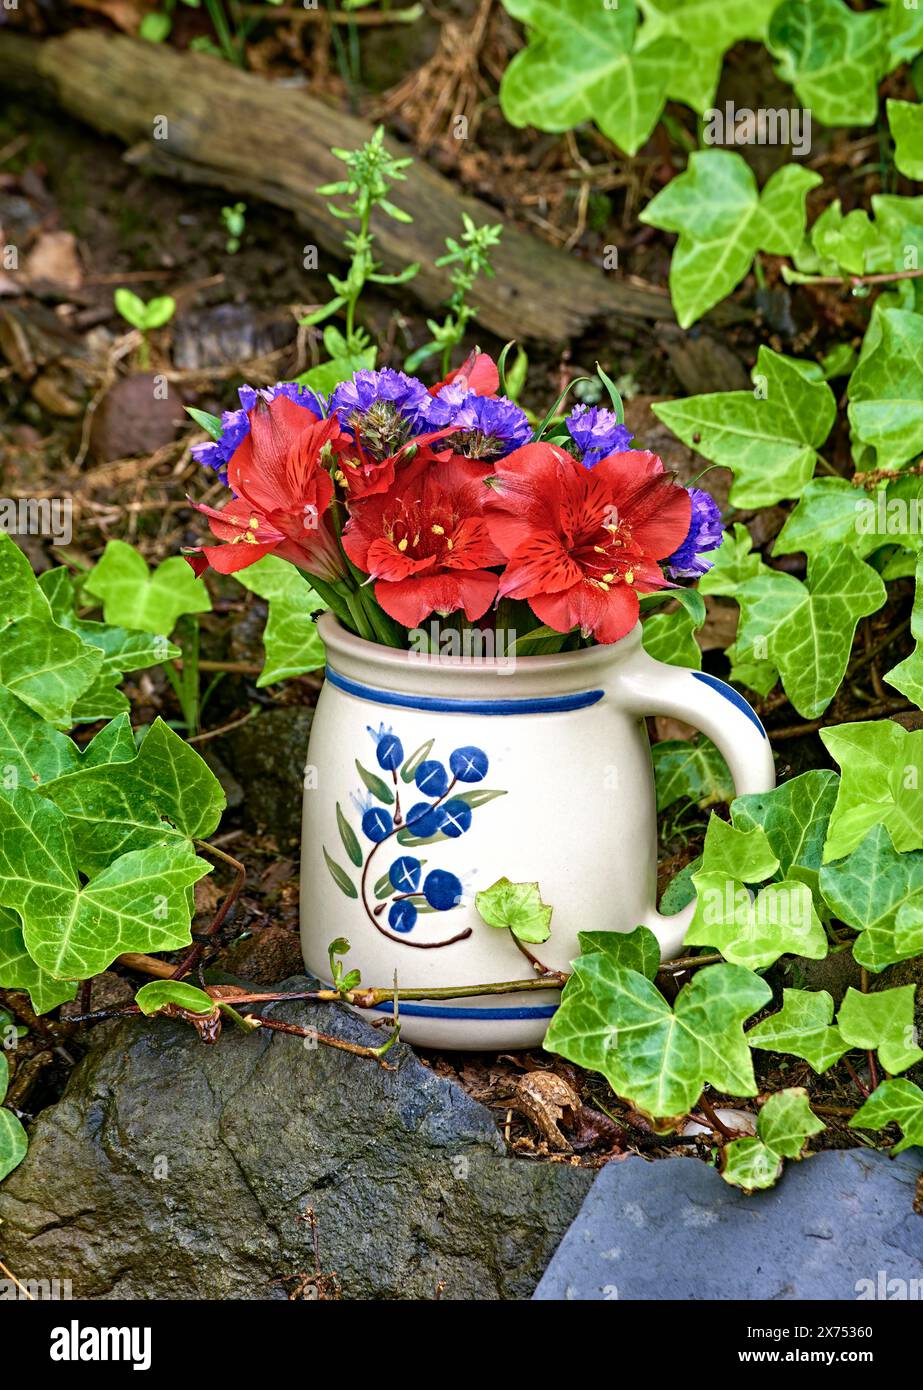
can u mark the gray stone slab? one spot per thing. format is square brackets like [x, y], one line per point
[840, 1225]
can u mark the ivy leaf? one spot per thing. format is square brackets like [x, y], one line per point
[906, 121]
[832, 56]
[139, 902]
[783, 1128]
[690, 769]
[614, 1021]
[20, 595]
[805, 631]
[723, 220]
[579, 66]
[517, 907]
[115, 743]
[883, 1020]
[697, 26]
[867, 891]
[744, 855]
[794, 817]
[13, 1141]
[734, 561]
[670, 637]
[165, 795]
[804, 1028]
[151, 998]
[31, 750]
[292, 642]
[633, 950]
[905, 33]
[19, 971]
[831, 513]
[768, 437]
[882, 770]
[123, 650]
[907, 675]
[897, 1102]
[781, 921]
[46, 667]
[886, 389]
[134, 597]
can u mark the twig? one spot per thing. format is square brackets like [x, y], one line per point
[873, 1063]
[713, 1119]
[811, 726]
[376, 1054]
[191, 958]
[853, 280]
[21, 1287]
[856, 1078]
[672, 967]
[224, 728]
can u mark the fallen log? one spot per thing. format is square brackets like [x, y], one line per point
[194, 117]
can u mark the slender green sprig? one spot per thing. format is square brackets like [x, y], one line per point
[469, 257]
[370, 173]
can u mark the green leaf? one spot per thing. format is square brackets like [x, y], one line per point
[804, 1028]
[742, 854]
[516, 907]
[210, 423]
[615, 1022]
[783, 1128]
[905, 33]
[831, 513]
[883, 1020]
[19, 971]
[348, 836]
[115, 743]
[166, 795]
[692, 770]
[13, 1141]
[31, 750]
[634, 950]
[781, 921]
[867, 891]
[328, 375]
[699, 27]
[579, 66]
[340, 877]
[151, 998]
[794, 816]
[768, 437]
[291, 639]
[139, 902]
[46, 667]
[897, 1102]
[886, 389]
[805, 631]
[907, 675]
[882, 769]
[409, 768]
[133, 597]
[376, 785]
[723, 220]
[670, 637]
[734, 563]
[130, 306]
[832, 56]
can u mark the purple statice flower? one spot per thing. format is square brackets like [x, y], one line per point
[488, 427]
[383, 408]
[704, 534]
[597, 433]
[235, 424]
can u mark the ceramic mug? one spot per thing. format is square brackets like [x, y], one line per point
[428, 778]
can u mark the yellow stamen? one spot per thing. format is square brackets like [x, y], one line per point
[402, 545]
[629, 576]
[438, 530]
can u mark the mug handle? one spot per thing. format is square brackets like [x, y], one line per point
[647, 687]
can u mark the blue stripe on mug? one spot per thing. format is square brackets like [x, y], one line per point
[491, 1014]
[732, 696]
[546, 704]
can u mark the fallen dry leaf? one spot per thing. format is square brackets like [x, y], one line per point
[53, 259]
[546, 1100]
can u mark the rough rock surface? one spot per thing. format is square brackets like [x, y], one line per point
[267, 756]
[839, 1225]
[172, 1169]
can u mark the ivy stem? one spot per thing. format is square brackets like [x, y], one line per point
[713, 1119]
[191, 958]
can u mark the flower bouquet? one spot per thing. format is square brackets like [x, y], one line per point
[405, 503]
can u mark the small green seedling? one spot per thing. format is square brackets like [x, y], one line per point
[144, 316]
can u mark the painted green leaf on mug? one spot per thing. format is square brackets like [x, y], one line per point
[134, 597]
[867, 891]
[291, 640]
[769, 437]
[516, 907]
[804, 1028]
[897, 1102]
[138, 902]
[659, 1058]
[882, 772]
[165, 794]
[723, 220]
[883, 1021]
[832, 56]
[805, 630]
[785, 1124]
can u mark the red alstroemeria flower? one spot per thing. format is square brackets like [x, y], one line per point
[362, 475]
[426, 544]
[283, 492]
[583, 543]
[478, 373]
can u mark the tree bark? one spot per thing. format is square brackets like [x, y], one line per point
[197, 118]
